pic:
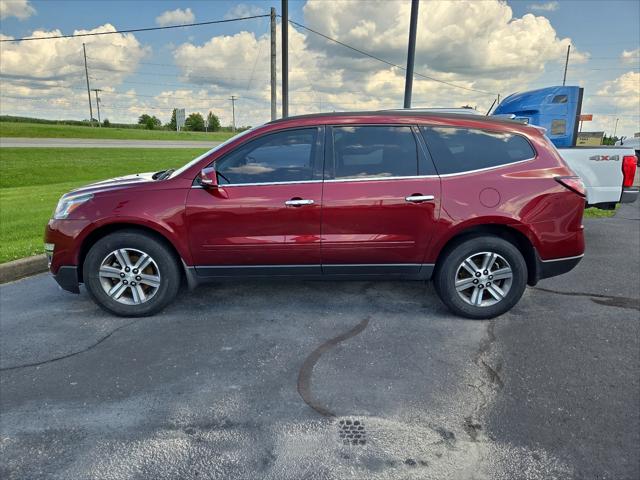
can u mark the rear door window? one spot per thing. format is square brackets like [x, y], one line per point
[456, 150]
[374, 151]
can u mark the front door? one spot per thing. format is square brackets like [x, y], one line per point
[380, 202]
[265, 215]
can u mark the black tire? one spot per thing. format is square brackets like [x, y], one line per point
[165, 261]
[447, 270]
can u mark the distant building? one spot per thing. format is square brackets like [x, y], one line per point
[589, 138]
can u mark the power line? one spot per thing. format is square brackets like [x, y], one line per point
[395, 65]
[133, 30]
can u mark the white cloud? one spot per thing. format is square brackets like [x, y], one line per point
[21, 9]
[244, 10]
[490, 39]
[491, 51]
[478, 45]
[175, 17]
[544, 6]
[631, 57]
[62, 59]
[615, 99]
[623, 92]
[51, 72]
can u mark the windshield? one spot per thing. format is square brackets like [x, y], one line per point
[214, 149]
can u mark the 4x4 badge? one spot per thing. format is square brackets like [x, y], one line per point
[605, 158]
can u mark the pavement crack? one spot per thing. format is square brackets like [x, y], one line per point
[492, 373]
[68, 355]
[472, 423]
[600, 299]
[306, 371]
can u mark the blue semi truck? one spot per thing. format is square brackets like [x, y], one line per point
[555, 108]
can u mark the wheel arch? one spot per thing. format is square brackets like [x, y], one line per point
[511, 233]
[102, 231]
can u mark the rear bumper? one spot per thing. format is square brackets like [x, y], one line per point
[67, 278]
[629, 195]
[554, 267]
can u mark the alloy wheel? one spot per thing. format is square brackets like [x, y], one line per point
[129, 276]
[483, 279]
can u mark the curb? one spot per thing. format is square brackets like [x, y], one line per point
[24, 267]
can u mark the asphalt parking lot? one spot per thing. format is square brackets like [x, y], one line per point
[267, 380]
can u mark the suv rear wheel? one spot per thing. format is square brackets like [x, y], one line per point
[481, 277]
[131, 273]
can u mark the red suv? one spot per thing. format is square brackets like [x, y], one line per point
[482, 206]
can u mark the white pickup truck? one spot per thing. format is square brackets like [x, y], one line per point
[607, 172]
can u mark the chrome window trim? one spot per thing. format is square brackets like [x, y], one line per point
[466, 172]
[368, 179]
[257, 184]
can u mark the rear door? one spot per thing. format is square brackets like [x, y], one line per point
[380, 202]
[265, 216]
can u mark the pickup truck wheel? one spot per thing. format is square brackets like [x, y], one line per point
[482, 277]
[131, 274]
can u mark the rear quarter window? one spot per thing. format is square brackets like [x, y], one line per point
[456, 150]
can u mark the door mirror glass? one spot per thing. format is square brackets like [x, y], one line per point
[209, 177]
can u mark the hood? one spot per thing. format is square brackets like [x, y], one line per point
[115, 183]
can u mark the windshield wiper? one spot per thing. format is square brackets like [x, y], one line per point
[162, 174]
[157, 175]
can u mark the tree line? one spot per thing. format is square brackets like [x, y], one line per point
[195, 122]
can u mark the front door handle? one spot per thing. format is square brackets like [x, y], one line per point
[298, 202]
[419, 198]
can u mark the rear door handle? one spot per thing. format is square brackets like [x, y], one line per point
[419, 198]
[298, 202]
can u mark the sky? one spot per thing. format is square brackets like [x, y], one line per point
[473, 49]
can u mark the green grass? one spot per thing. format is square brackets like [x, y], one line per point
[33, 179]
[38, 130]
[593, 212]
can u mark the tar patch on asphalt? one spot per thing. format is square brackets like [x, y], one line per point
[352, 432]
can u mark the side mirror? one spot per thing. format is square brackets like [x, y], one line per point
[209, 177]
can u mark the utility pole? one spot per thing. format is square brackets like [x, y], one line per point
[274, 94]
[411, 54]
[97, 103]
[285, 58]
[615, 129]
[233, 112]
[566, 65]
[86, 72]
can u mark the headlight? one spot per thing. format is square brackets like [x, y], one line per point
[68, 204]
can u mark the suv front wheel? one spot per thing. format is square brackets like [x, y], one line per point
[481, 277]
[131, 273]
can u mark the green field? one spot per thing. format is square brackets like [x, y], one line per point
[32, 180]
[40, 130]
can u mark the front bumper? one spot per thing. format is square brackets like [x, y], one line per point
[62, 246]
[67, 278]
[629, 195]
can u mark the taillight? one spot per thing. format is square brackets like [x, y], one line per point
[628, 170]
[574, 184]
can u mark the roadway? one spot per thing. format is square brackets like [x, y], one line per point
[251, 380]
[10, 142]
